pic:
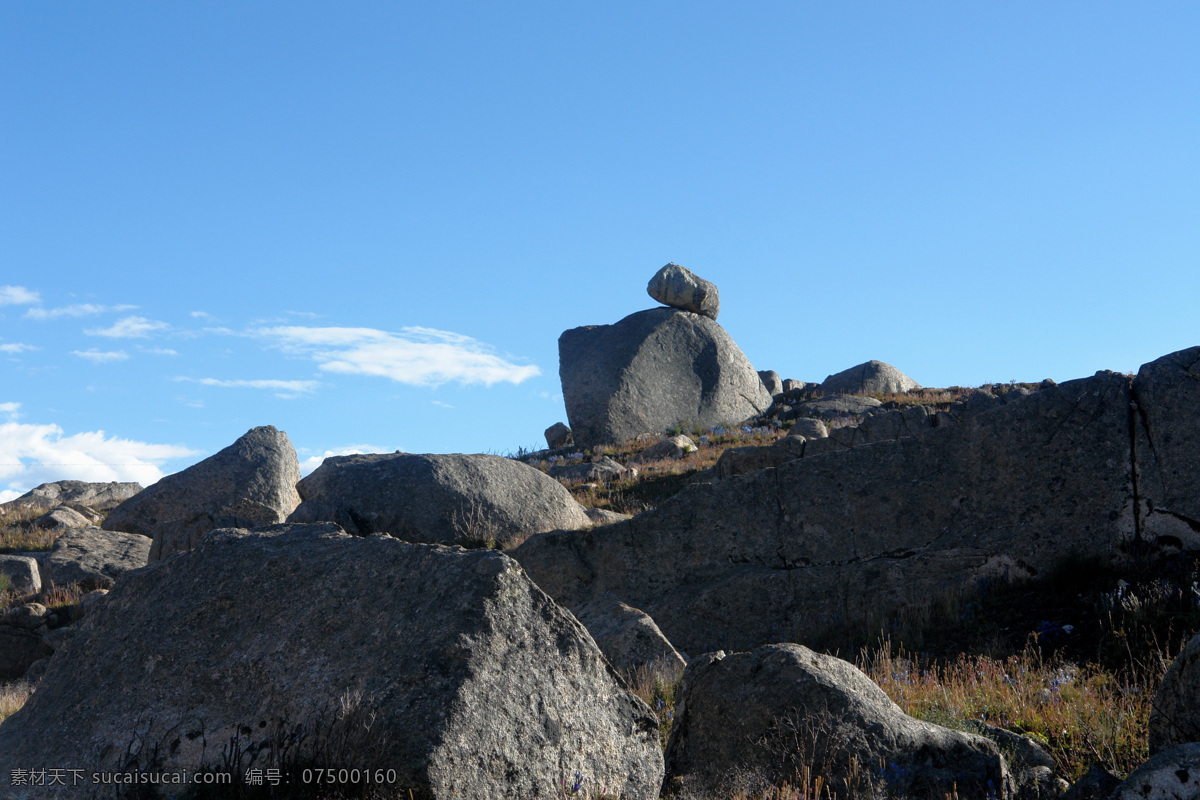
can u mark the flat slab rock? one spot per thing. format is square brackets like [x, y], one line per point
[479, 685]
[94, 556]
[781, 552]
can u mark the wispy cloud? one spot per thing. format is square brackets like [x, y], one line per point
[18, 296]
[78, 310]
[13, 348]
[35, 454]
[312, 462]
[280, 386]
[101, 356]
[202, 315]
[129, 328]
[10, 409]
[414, 355]
[160, 351]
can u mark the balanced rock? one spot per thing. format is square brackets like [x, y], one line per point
[651, 371]
[478, 685]
[679, 287]
[781, 709]
[452, 499]
[849, 535]
[94, 557]
[873, 377]
[252, 482]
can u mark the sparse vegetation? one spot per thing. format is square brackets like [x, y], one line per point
[12, 697]
[17, 534]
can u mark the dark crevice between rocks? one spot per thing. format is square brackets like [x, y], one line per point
[1135, 411]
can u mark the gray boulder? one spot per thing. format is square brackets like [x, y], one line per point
[558, 435]
[809, 428]
[94, 557]
[453, 499]
[846, 536]
[21, 573]
[781, 709]
[771, 381]
[1171, 775]
[252, 482]
[679, 287]
[670, 448]
[793, 385]
[472, 681]
[602, 516]
[100, 496]
[628, 636]
[873, 377]
[602, 469]
[61, 517]
[836, 406]
[1175, 713]
[651, 371]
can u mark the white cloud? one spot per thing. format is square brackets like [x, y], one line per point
[79, 310]
[280, 386]
[35, 454]
[18, 296]
[129, 328]
[13, 348]
[202, 315]
[10, 408]
[440, 403]
[417, 356]
[101, 356]
[311, 463]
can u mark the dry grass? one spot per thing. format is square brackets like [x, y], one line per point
[17, 534]
[12, 697]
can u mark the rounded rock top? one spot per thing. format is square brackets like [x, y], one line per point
[679, 287]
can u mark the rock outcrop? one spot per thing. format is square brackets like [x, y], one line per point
[872, 377]
[651, 371]
[452, 499]
[1175, 713]
[100, 496]
[783, 709]
[250, 483]
[477, 683]
[679, 287]
[783, 552]
[94, 557]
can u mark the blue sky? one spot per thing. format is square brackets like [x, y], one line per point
[367, 224]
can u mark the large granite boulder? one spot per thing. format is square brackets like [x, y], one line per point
[252, 482]
[1175, 713]
[100, 496]
[780, 553]
[679, 287]
[94, 557]
[1166, 393]
[783, 709]
[872, 377]
[20, 574]
[453, 499]
[651, 371]
[296, 636]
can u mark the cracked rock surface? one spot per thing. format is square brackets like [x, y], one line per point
[833, 538]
